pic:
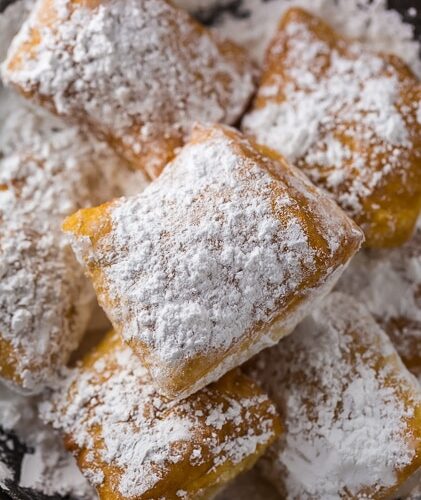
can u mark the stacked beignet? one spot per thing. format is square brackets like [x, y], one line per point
[349, 119]
[388, 282]
[352, 411]
[138, 72]
[218, 258]
[47, 170]
[132, 443]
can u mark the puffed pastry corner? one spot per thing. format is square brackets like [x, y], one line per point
[221, 256]
[132, 443]
[352, 411]
[349, 118]
[136, 72]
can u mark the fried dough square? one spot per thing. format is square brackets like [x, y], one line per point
[47, 171]
[132, 443]
[349, 118]
[137, 72]
[351, 409]
[219, 257]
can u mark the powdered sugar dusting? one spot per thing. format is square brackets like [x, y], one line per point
[145, 437]
[344, 115]
[369, 21]
[46, 466]
[47, 171]
[5, 474]
[215, 248]
[200, 244]
[389, 284]
[366, 20]
[138, 71]
[347, 401]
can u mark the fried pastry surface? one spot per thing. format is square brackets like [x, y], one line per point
[349, 118]
[218, 258]
[351, 409]
[47, 170]
[388, 282]
[137, 72]
[132, 443]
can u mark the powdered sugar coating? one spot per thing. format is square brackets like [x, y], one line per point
[389, 284]
[139, 71]
[347, 117]
[46, 466]
[379, 31]
[6, 474]
[373, 23]
[212, 253]
[136, 443]
[351, 408]
[47, 171]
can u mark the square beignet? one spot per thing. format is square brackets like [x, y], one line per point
[352, 411]
[138, 72]
[132, 443]
[388, 282]
[218, 258]
[349, 118]
[47, 171]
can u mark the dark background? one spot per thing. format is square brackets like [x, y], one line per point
[13, 458]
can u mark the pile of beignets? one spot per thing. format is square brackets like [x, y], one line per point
[262, 186]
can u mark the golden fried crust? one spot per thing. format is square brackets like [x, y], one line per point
[387, 208]
[184, 477]
[8, 362]
[93, 231]
[148, 144]
[13, 362]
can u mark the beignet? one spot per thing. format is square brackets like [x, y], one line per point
[218, 258]
[131, 443]
[351, 409]
[138, 72]
[47, 170]
[349, 118]
[388, 282]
